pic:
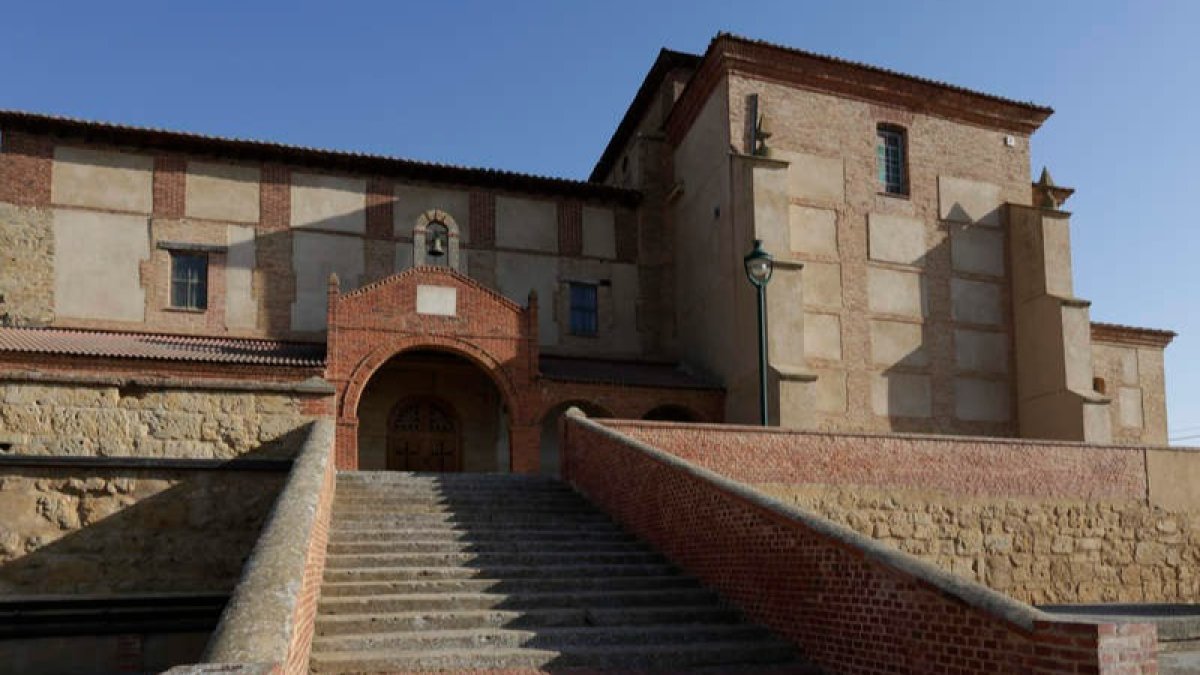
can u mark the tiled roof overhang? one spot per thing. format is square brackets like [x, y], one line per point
[264, 151]
[105, 344]
[1131, 335]
[763, 60]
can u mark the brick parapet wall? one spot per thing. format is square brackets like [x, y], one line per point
[850, 603]
[305, 615]
[270, 618]
[955, 464]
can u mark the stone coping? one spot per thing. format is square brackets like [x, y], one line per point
[313, 386]
[168, 463]
[947, 439]
[968, 592]
[257, 625]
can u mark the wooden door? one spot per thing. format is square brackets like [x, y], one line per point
[423, 435]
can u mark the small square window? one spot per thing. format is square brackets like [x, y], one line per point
[585, 319]
[189, 280]
[890, 159]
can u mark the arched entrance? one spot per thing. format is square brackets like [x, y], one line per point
[378, 333]
[428, 410]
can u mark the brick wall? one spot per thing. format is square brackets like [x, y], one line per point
[959, 465]
[305, 615]
[849, 603]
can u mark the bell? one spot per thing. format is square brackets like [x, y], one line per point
[438, 249]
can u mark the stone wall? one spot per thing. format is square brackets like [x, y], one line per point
[1040, 551]
[114, 420]
[26, 266]
[99, 530]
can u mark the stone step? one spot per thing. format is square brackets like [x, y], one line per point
[542, 638]
[434, 602]
[507, 572]
[351, 624]
[506, 546]
[673, 656]
[466, 506]
[617, 557]
[538, 584]
[383, 505]
[448, 480]
[473, 522]
[597, 534]
[450, 514]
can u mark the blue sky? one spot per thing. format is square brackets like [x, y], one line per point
[539, 86]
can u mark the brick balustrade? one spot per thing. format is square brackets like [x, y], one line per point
[269, 621]
[850, 603]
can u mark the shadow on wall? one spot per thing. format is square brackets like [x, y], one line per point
[937, 376]
[95, 530]
[550, 457]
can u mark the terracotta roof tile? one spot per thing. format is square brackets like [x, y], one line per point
[161, 347]
[1132, 335]
[628, 373]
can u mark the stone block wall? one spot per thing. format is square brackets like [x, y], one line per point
[99, 530]
[127, 420]
[1040, 551]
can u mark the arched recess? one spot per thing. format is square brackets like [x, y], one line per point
[549, 452]
[671, 412]
[373, 369]
[426, 410]
[421, 231]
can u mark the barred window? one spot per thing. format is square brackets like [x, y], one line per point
[189, 280]
[890, 159]
[585, 319]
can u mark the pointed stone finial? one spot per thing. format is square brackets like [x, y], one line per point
[334, 284]
[1049, 195]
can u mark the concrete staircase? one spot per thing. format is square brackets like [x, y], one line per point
[489, 571]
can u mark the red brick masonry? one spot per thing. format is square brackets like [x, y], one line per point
[851, 604]
[973, 465]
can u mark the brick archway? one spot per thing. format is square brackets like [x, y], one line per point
[433, 308]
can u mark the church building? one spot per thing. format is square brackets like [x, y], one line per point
[922, 278]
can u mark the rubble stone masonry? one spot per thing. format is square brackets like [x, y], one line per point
[98, 530]
[26, 266]
[116, 421]
[1038, 551]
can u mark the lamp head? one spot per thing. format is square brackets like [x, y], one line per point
[759, 265]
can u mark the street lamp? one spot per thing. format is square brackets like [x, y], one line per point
[759, 266]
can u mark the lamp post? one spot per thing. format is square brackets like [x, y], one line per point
[759, 266]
